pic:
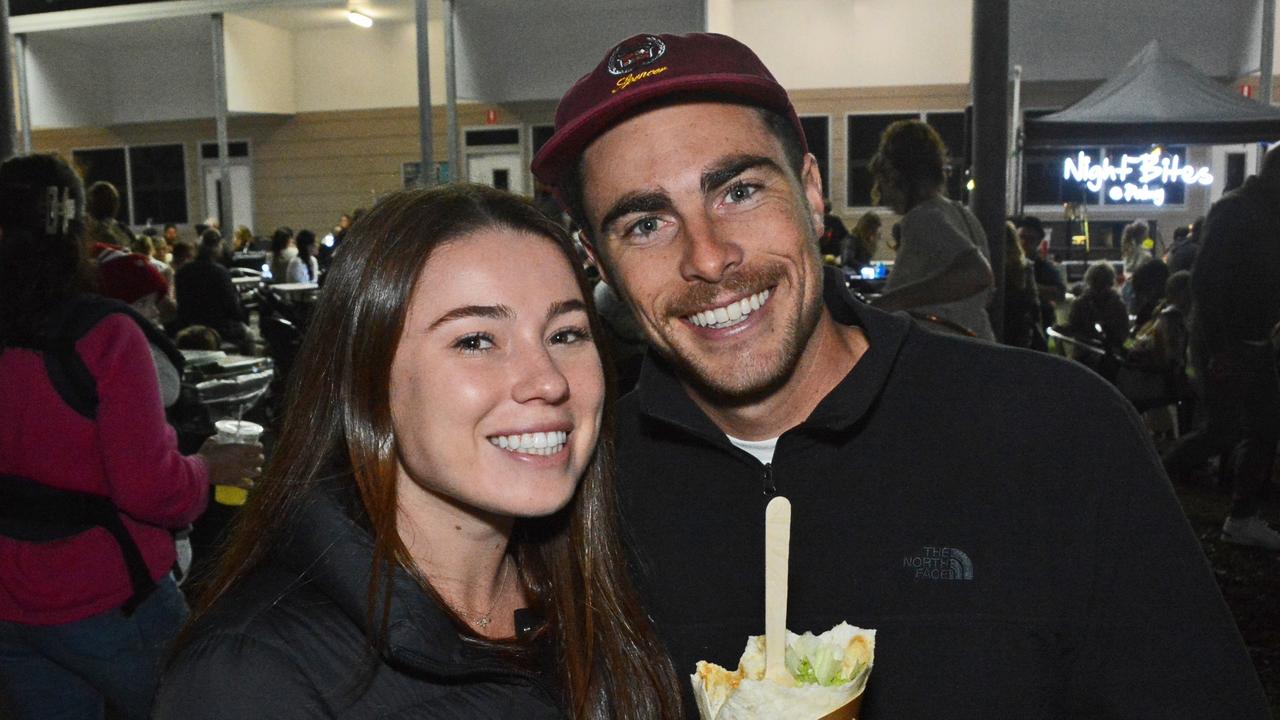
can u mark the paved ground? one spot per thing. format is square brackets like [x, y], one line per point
[1249, 578]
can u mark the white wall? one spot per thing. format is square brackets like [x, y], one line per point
[63, 88]
[536, 50]
[135, 72]
[858, 43]
[1092, 39]
[260, 67]
[350, 68]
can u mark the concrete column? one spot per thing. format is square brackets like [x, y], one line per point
[226, 216]
[426, 137]
[990, 88]
[451, 96]
[8, 114]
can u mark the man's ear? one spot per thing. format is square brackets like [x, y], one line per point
[593, 257]
[811, 181]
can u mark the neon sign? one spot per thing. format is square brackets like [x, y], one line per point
[1135, 178]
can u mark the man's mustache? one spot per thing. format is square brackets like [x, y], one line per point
[700, 295]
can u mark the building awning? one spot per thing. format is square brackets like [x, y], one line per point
[1157, 98]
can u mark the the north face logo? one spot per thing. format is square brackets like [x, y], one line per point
[940, 563]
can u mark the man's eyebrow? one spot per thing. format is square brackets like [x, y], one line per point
[564, 307]
[733, 166]
[651, 201]
[495, 312]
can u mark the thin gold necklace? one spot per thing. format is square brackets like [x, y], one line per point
[482, 622]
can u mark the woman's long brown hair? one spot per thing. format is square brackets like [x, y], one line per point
[338, 428]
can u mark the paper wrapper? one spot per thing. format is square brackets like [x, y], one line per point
[745, 695]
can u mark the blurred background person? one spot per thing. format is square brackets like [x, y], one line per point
[861, 244]
[1021, 299]
[941, 268]
[283, 251]
[85, 620]
[206, 295]
[304, 267]
[1098, 318]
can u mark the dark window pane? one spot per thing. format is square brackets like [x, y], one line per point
[106, 164]
[1235, 171]
[862, 138]
[209, 150]
[502, 179]
[159, 184]
[541, 134]
[950, 126]
[510, 136]
[1043, 177]
[817, 135]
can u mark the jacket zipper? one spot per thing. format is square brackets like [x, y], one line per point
[770, 488]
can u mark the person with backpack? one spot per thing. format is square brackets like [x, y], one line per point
[91, 481]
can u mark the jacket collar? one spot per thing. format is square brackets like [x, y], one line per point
[326, 546]
[661, 395]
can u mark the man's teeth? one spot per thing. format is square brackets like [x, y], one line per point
[731, 314]
[539, 443]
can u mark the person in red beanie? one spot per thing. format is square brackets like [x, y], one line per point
[1015, 563]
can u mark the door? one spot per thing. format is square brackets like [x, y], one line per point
[500, 170]
[241, 180]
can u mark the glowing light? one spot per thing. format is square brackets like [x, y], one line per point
[1135, 178]
[360, 19]
[970, 185]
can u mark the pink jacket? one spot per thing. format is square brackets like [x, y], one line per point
[128, 453]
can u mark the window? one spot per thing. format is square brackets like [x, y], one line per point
[159, 184]
[109, 165]
[503, 136]
[1043, 183]
[235, 149]
[952, 127]
[541, 134]
[151, 180]
[817, 135]
[862, 138]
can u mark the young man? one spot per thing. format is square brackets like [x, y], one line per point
[998, 516]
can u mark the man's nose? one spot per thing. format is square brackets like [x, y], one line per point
[708, 253]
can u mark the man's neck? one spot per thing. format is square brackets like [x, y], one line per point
[831, 352]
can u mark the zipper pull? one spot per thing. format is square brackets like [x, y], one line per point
[770, 488]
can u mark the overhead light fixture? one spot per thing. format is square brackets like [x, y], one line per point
[360, 19]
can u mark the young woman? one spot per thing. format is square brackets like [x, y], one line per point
[303, 267]
[436, 534]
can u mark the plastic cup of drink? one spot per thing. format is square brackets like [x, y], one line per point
[240, 432]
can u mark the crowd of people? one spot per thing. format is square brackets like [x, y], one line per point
[460, 517]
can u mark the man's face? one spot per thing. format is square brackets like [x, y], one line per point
[1030, 241]
[711, 240]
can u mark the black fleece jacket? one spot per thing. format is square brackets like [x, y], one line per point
[290, 642]
[998, 515]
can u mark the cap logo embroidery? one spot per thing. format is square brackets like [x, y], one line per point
[630, 55]
[625, 81]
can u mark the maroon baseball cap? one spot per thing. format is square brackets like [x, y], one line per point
[644, 68]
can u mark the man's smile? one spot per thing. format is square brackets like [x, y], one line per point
[729, 314]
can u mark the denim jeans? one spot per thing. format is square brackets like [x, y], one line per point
[73, 671]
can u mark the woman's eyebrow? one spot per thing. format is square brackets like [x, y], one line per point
[564, 307]
[494, 312]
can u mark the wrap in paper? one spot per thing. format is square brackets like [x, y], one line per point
[831, 671]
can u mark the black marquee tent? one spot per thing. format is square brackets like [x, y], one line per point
[1157, 98]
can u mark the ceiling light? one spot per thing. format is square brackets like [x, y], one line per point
[360, 19]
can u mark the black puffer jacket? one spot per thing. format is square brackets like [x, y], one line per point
[290, 642]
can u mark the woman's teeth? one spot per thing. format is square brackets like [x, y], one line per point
[539, 443]
[731, 314]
